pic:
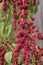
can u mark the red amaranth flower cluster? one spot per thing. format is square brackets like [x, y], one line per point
[26, 37]
[6, 44]
[34, 2]
[3, 50]
[4, 5]
[2, 53]
[1, 1]
[14, 6]
[4, 8]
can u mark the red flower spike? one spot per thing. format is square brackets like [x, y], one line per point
[1, 1]
[34, 2]
[5, 6]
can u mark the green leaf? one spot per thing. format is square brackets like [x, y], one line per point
[13, 44]
[8, 30]
[5, 30]
[31, 5]
[23, 64]
[8, 57]
[35, 8]
[1, 6]
[1, 28]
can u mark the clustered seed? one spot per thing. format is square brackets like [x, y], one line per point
[2, 53]
[25, 37]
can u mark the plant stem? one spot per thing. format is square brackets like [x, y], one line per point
[10, 47]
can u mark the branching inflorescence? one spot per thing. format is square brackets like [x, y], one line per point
[27, 32]
[26, 37]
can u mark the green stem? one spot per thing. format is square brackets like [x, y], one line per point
[33, 59]
[9, 63]
[10, 47]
